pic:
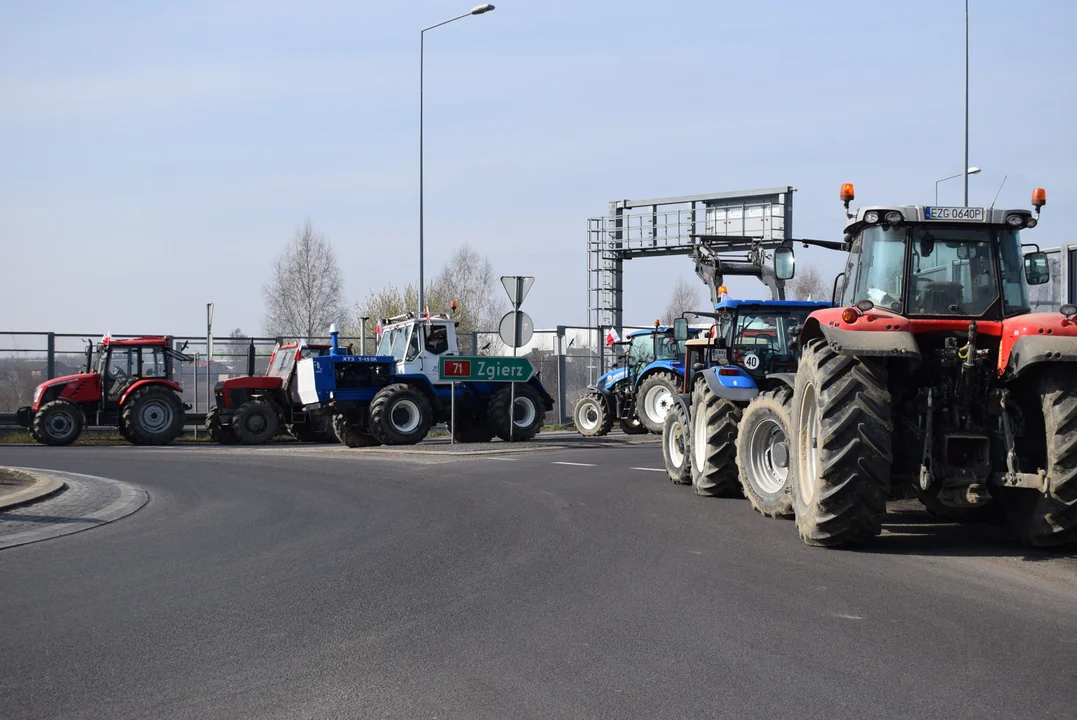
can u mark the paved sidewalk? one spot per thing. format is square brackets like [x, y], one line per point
[86, 502]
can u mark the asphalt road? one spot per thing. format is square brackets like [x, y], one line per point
[273, 585]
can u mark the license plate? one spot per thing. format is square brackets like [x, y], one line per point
[970, 214]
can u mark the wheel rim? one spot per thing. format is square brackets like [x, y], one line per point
[809, 445]
[523, 413]
[405, 416]
[257, 422]
[657, 403]
[587, 417]
[765, 470]
[699, 440]
[675, 445]
[60, 424]
[155, 416]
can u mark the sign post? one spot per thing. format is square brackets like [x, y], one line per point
[517, 287]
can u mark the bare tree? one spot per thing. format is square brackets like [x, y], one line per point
[685, 297]
[306, 292]
[237, 334]
[808, 285]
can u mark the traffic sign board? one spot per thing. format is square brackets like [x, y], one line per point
[517, 287]
[485, 369]
[523, 332]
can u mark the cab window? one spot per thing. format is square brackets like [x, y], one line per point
[437, 339]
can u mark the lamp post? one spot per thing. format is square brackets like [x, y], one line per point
[966, 174]
[970, 171]
[477, 10]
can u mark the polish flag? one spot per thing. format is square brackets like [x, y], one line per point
[612, 337]
[426, 314]
[377, 329]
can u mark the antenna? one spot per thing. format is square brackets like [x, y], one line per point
[997, 194]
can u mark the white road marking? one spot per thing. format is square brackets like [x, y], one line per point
[649, 469]
[558, 462]
[848, 617]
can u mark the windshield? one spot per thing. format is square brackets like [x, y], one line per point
[766, 335]
[283, 362]
[99, 360]
[641, 351]
[1010, 259]
[882, 267]
[393, 342]
[953, 271]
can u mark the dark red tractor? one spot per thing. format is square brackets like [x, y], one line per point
[127, 384]
[251, 410]
[934, 375]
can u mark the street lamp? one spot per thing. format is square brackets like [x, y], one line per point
[477, 10]
[970, 171]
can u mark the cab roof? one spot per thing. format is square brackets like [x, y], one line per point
[152, 340]
[730, 304]
[928, 215]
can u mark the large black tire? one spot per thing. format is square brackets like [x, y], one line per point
[592, 416]
[654, 400]
[1049, 520]
[153, 415]
[470, 428]
[763, 453]
[633, 426]
[676, 453]
[57, 423]
[350, 435]
[841, 450]
[219, 433]
[400, 415]
[713, 444]
[527, 414]
[256, 422]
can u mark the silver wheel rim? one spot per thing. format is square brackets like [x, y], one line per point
[657, 403]
[699, 439]
[60, 424]
[155, 416]
[809, 445]
[675, 445]
[764, 473]
[405, 416]
[523, 412]
[587, 415]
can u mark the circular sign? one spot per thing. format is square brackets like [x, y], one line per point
[751, 361]
[524, 331]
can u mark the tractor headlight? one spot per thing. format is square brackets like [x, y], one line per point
[894, 217]
[871, 217]
[1032, 222]
[37, 393]
[1015, 220]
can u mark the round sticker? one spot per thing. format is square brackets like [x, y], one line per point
[751, 361]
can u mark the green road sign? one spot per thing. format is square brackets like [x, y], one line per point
[488, 369]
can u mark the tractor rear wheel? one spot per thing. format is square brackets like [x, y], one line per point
[400, 415]
[470, 428]
[841, 449]
[219, 433]
[57, 423]
[527, 413]
[153, 415]
[256, 422]
[654, 398]
[763, 452]
[675, 451]
[349, 434]
[713, 444]
[1050, 519]
[592, 416]
[633, 426]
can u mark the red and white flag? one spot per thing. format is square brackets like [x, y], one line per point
[612, 337]
[426, 314]
[377, 329]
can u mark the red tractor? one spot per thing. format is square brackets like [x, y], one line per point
[252, 409]
[934, 374]
[128, 385]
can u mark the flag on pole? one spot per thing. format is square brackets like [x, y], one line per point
[377, 329]
[426, 314]
[612, 337]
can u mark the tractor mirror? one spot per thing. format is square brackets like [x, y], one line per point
[680, 329]
[784, 263]
[1037, 269]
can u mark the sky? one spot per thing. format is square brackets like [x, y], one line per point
[156, 156]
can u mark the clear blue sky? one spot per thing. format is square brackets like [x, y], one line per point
[157, 155]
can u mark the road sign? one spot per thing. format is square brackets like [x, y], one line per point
[517, 287]
[523, 333]
[485, 369]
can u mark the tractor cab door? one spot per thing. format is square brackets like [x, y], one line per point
[120, 369]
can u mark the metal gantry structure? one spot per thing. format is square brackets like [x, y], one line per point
[730, 227]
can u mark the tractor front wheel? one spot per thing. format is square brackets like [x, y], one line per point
[1049, 519]
[219, 433]
[675, 451]
[256, 422]
[527, 413]
[841, 447]
[654, 400]
[350, 435]
[713, 443]
[400, 415]
[763, 452]
[57, 423]
[592, 416]
[153, 415]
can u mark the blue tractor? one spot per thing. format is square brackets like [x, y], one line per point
[639, 393]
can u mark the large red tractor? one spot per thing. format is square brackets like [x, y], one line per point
[252, 409]
[128, 385]
[933, 373]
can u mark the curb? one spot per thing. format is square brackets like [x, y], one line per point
[43, 487]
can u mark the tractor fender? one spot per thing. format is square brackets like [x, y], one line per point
[547, 399]
[1035, 349]
[737, 388]
[863, 338]
[672, 366]
[787, 378]
[149, 381]
[422, 384]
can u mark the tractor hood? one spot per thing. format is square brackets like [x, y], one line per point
[255, 382]
[611, 378]
[39, 391]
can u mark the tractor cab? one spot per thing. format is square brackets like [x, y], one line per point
[417, 343]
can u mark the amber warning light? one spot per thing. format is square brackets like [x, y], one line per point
[847, 193]
[1039, 198]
